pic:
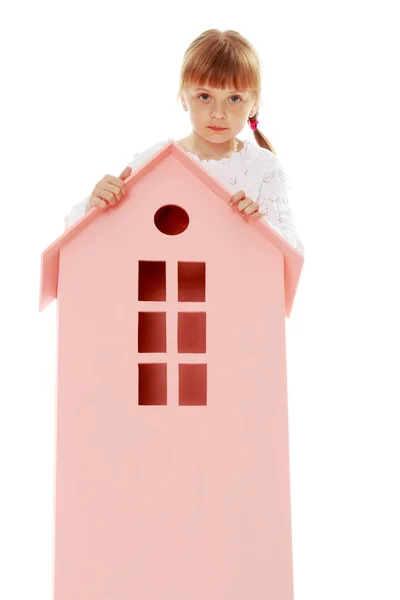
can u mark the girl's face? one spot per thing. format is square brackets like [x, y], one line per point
[215, 107]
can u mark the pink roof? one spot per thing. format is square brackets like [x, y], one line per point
[293, 259]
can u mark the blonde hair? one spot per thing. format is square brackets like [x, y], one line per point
[224, 59]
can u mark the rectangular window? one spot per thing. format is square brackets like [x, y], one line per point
[193, 384]
[152, 281]
[192, 332]
[191, 282]
[153, 384]
[152, 332]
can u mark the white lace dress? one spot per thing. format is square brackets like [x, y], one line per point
[253, 169]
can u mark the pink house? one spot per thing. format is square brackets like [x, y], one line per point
[172, 456]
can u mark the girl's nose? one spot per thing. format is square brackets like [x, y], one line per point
[218, 114]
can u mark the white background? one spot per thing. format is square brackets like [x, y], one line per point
[85, 85]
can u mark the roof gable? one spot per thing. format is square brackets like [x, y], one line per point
[293, 259]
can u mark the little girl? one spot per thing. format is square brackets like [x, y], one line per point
[228, 67]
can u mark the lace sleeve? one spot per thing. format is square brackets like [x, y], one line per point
[76, 212]
[274, 201]
[82, 207]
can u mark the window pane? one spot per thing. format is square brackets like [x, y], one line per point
[152, 332]
[191, 282]
[193, 385]
[153, 384]
[152, 286]
[191, 332]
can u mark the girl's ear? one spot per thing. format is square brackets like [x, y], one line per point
[254, 108]
[184, 106]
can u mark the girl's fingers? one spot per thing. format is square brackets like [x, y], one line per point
[258, 215]
[237, 197]
[244, 205]
[251, 208]
[96, 201]
[112, 193]
[109, 194]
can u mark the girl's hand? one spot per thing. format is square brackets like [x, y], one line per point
[245, 205]
[109, 190]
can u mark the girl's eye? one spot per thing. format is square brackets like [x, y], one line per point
[201, 95]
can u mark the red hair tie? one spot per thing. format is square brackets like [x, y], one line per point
[253, 124]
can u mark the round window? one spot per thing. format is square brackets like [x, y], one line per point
[171, 219]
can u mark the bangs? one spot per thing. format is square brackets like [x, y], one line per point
[221, 67]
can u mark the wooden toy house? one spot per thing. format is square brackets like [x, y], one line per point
[172, 455]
